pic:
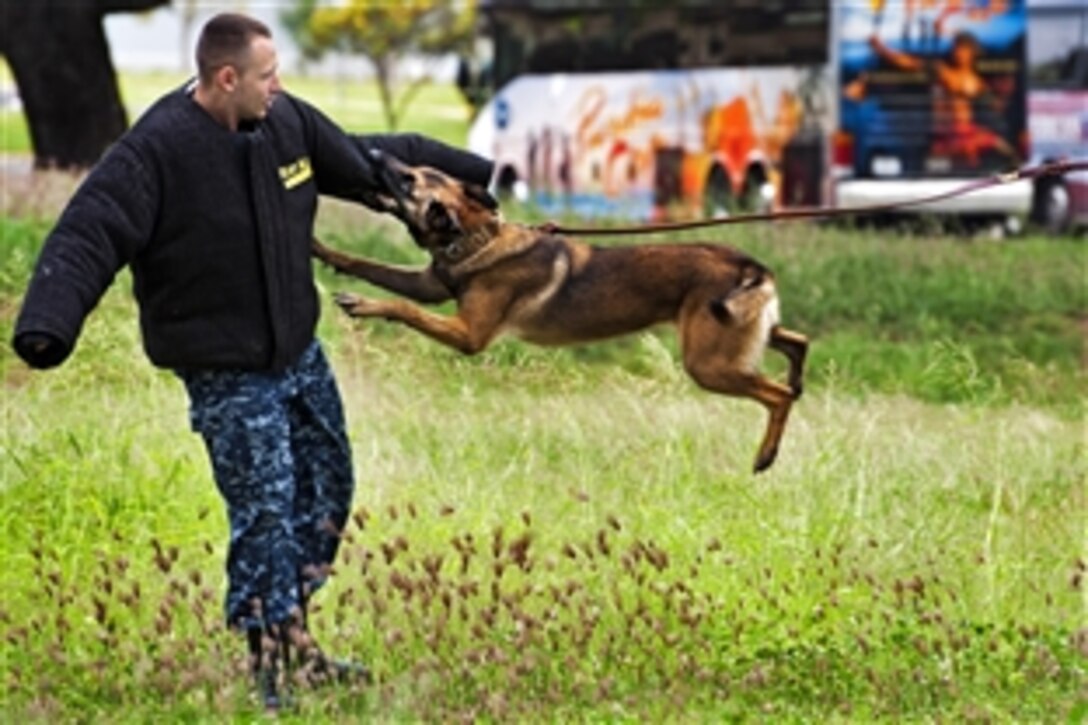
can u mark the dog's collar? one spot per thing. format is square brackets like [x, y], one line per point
[465, 247]
[481, 249]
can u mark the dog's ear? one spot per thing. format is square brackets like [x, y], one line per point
[481, 196]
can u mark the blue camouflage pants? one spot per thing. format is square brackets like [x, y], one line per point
[281, 459]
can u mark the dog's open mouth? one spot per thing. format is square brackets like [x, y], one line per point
[399, 197]
[397, 191]
[396, 185]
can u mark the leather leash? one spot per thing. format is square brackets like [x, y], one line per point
[1053, 168]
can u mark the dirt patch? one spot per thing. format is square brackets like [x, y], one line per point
[30, 192]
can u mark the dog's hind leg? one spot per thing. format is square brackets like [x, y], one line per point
[775, 397]
[719, 358]
[794, 346]
[778, 399]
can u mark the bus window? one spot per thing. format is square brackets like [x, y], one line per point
[1058, 48]
[546, 36]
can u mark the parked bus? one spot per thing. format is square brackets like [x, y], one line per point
[651, 110]
[1058, 107]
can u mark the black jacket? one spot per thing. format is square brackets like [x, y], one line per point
[216, 226]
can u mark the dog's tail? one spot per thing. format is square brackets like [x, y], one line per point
[754, 296]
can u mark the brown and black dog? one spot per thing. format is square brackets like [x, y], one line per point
[551, 290]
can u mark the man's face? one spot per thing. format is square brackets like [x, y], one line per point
[963, 53]
[258, 81]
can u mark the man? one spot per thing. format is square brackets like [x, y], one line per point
[211, 198]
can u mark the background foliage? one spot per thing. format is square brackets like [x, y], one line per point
[386, 33]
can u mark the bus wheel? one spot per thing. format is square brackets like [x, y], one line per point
[1050, 207]
[755, 197]
[509, 186]
[717, 196]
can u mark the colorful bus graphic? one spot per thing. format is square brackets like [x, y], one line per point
[648, 144]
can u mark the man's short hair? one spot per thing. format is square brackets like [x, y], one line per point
[967, 38]
[225, 40]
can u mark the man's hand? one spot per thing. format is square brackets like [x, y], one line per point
[390, 185]
[41, 350]
[391, 181]
[379, 197]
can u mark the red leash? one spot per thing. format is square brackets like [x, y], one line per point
[1054, 168]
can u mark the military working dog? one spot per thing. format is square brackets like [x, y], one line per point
[549, 289]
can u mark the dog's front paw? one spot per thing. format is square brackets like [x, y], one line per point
[355, 305]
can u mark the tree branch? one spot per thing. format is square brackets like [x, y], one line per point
[410, 92]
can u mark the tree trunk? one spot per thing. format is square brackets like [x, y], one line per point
[187, 17]
[384, 77]
[59, 55]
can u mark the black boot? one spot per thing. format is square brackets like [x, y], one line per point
[311, 663]
[264, 665]
[322, 669]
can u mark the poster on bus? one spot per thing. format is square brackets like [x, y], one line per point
[932, 88]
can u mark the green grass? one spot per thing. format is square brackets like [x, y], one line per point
[574, 535]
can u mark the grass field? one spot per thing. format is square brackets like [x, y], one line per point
[574, 534]
[558, 535]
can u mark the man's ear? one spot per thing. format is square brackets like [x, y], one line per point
[481, 196]
[227, 78]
